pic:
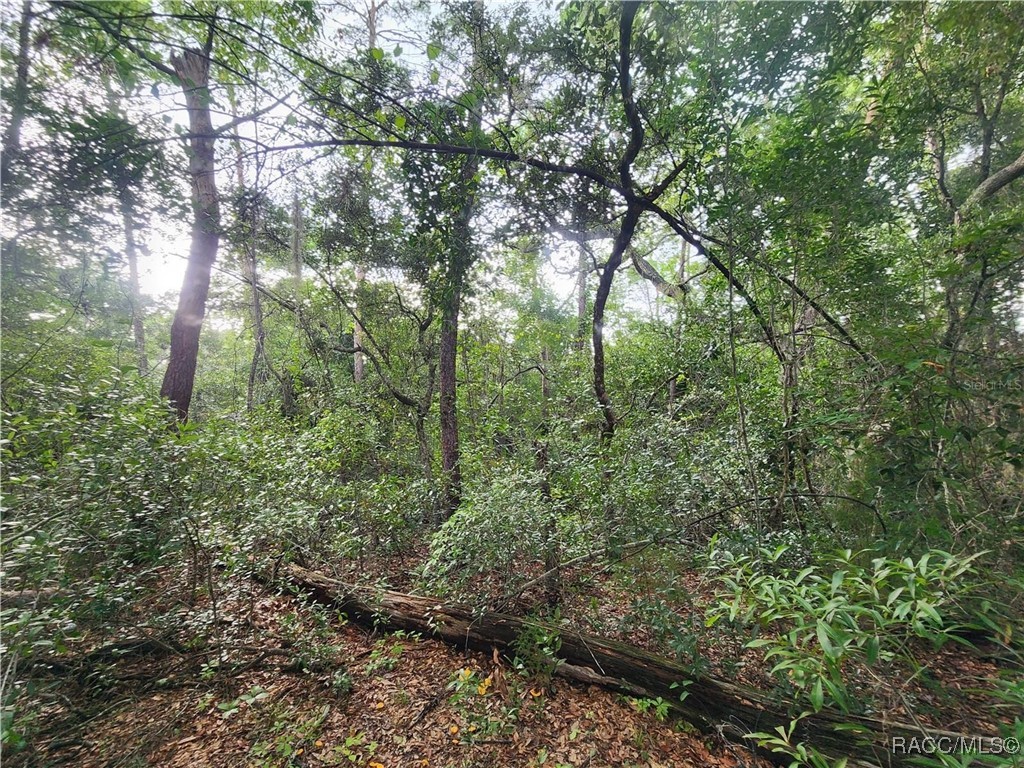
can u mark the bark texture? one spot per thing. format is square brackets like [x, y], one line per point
[131, 249]
[19, 97]
[358, 364]
[461, 258]
[192, 69]
[447, 402]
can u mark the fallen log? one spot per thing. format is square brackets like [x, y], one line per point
[731, 710]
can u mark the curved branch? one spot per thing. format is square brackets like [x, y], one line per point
[649, 273]
[995, 182]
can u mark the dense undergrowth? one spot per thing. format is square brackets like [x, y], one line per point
[103, 501]
[692, 325]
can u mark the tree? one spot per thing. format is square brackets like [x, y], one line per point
[190, 70]
[12, 136]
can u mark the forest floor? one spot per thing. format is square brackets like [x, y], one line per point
[952, 687]
[297, 688]
[279, 683]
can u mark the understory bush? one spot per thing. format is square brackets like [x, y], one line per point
[671, 474]
[814, 621]
[502, 527]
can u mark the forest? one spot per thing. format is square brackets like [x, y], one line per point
[512, 384]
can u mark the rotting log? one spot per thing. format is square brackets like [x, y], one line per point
[711, 704]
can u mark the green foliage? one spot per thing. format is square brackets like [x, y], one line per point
[847, 374]
[484, 714]
[536, 650]
[231, 708]
[781, 741]
[658, 707]
[357, 749]
[500, 526]
[671, 472]
[825, 615]
[89, 472]
[289, 737]
[384, 657]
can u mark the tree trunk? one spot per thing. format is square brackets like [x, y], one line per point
[677, 327]
[423, 443]
[358, 364]
[259, 364]
[583, 269]
[193, 70]
[461, 258]
[447, 405]
[714, 705]
[19, 98]
[604, 288]
[250, 271]
[135, 293]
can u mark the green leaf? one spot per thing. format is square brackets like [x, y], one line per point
[872, 649]
[825, 641]
[837, 580]
[400, 122]
[433, 51]
[927, 609]
[377, 53]
[817, 696]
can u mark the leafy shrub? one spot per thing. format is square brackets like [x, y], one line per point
[89, 475]
[90, 479]
[670, 473]
[821, 616]
[501, 526]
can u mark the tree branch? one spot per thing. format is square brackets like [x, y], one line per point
[995, 182]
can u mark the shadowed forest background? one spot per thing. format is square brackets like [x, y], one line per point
[692, 328]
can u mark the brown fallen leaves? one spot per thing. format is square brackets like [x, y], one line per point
[395, 718]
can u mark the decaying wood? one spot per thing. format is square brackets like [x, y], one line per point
[714, 705]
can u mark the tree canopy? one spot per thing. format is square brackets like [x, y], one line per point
[528, 293]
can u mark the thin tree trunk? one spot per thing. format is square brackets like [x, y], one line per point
[296, 251]
[677, 330]
[358, 364]
[135, 293]
[250, 271]
[604, 288]
[192, 68]
[447, 402]
[373, 8]
[582, 321]
[257, 374]
[629, 220]
[259, 364]
[19, 98]
[423, 444]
